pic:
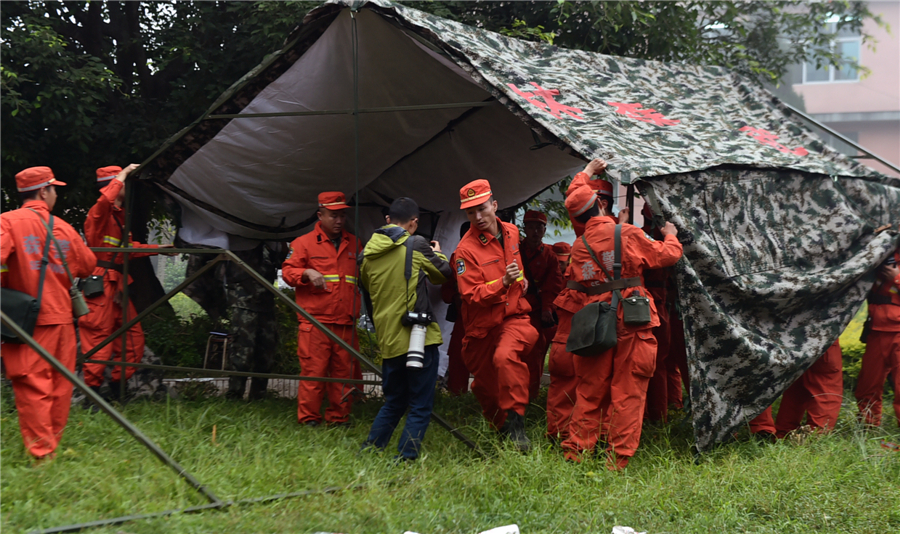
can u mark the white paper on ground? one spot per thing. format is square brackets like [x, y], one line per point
[507, 529]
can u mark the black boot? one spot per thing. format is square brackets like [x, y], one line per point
[258, 388]
[115, 393]
[514, 430]
[89, 404]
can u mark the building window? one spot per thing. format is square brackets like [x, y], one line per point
[847, 43]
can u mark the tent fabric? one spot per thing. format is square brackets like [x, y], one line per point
[778, 228]
[776, 263]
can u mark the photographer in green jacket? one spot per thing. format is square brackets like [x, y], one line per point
[393, 271]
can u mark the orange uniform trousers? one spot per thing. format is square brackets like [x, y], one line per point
[104, 319]
[676, 363]
[562, 393]
[612, 391]
[497, 362]
[658, 387]
[322, 357]
[882, 357]
[817, 393]
[43, 396]
[457, 372]
[537, 355]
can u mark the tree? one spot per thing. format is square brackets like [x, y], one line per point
[88, 84]
[757, 39]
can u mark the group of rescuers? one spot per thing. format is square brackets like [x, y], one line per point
[513, 301]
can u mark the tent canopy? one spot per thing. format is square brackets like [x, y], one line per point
[778, 227]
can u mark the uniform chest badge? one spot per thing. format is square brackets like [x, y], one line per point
[482, 237]
[460, 266]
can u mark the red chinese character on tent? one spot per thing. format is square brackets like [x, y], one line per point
[769, 138]
[549, 105]
[634, 111]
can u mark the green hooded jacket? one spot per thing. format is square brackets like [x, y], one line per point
[381, 274]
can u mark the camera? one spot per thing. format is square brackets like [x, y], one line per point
[419, 321]
[412, 318]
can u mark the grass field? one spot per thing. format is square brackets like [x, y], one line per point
[844, 482]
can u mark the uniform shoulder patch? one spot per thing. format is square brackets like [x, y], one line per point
[648, 236]
[483, 239]
[290, 253]
[460, 266]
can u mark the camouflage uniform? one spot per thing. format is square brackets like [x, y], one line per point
[253, 330]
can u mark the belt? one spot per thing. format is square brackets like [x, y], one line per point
[879, 299]
[109, 265]
[605, 288]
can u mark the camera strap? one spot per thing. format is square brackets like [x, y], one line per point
[407, 269]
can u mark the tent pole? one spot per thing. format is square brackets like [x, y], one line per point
[126, 239]
[109, 410]
[629, 202]
[843, 138]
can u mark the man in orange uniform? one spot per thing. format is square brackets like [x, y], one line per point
[563, 252]
[656, 281]
[882, 354]
[498, 330]
[544, 284]
[563, 381]
[612, 387]
[42, 395]
[104, 227]
[322, 269]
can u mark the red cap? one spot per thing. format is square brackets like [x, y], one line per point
[333, 200]
[535, 216]
[580, 200]
[105, 174]
[474, 193]
[34, 178]
[601, 186]
[562, 250]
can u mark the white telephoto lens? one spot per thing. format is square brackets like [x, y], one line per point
[415, 356]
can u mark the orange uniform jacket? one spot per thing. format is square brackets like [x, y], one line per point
[886, 317]
[480, 263]
[339, 302]
[639, 252]
[544, 279]
[22, 236]
[103, 228]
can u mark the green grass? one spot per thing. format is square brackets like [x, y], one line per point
[844, 482]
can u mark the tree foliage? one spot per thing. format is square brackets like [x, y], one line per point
[758, 39]
[89, 84]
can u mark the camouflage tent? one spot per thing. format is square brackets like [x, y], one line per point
[779, 230]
